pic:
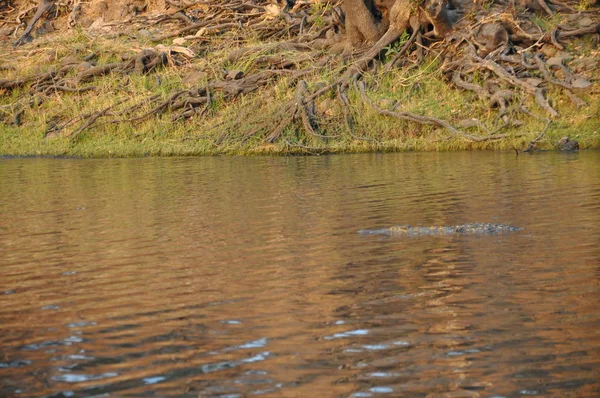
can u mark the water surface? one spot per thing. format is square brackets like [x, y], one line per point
[208, 277]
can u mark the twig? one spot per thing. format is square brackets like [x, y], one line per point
[426, 120]
[91, 119]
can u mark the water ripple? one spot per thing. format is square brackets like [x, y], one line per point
[238, 277]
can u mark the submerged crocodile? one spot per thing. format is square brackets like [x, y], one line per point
[475, 228]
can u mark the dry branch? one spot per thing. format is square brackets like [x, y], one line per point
[424, 120]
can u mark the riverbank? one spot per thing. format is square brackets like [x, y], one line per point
[146, 87]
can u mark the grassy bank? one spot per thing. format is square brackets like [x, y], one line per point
[241, 124]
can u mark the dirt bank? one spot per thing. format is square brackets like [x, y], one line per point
[108, 78]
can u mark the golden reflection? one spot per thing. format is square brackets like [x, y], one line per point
[238, 276]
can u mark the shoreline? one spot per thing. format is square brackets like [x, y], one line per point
[82, 93]
[287, 154]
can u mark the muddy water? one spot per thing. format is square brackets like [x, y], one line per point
[246, 276]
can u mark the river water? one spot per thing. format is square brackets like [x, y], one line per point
[234, 277]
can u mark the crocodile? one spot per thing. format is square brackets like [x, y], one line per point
[463, 229]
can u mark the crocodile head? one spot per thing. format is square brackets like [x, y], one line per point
[401, 228]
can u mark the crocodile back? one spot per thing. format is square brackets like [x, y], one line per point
[462, 229]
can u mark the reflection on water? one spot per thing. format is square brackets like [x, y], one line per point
[233, 277]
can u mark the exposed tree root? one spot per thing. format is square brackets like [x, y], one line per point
[43, 7]
[498, 53]
[426, 120]
[63, 79]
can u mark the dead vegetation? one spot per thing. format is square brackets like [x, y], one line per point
[509, 54]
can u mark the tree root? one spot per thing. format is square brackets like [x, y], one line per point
[497, 53]
[532, 144]
[43, 7]
[425, 120]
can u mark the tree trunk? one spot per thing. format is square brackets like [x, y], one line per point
[364, 22]
[368, 20]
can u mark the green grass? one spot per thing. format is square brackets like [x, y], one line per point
[240, 127]
[546, 22]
